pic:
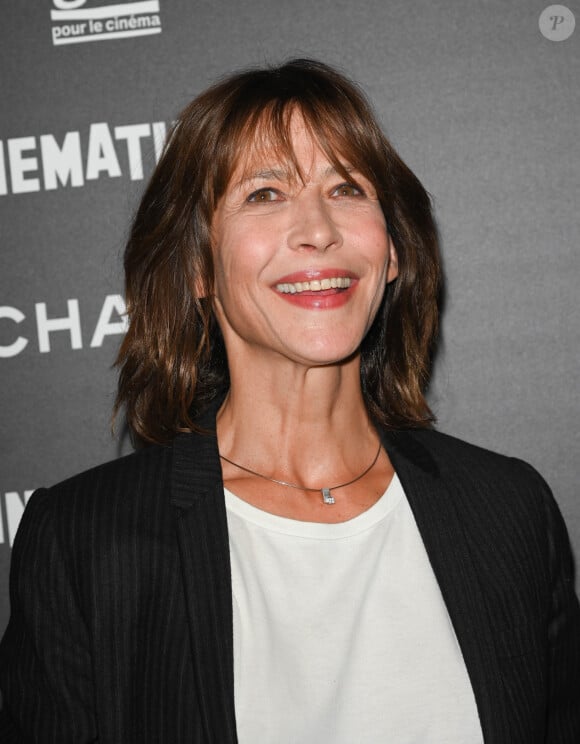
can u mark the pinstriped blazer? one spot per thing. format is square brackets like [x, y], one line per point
[121, 624]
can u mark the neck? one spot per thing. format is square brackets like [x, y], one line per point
[296, 423]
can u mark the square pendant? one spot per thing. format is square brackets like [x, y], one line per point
[326, 497]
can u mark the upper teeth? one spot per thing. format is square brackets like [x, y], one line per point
[315, 285]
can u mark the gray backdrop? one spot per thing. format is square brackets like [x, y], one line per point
[481, 105]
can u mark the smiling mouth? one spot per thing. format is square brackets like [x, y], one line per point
[315, 285]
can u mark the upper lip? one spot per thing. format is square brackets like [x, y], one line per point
[308, 275]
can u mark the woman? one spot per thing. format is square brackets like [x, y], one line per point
[295, 556]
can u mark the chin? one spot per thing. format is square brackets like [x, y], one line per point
[331, 355]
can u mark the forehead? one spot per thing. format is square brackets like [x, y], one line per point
[291, 149]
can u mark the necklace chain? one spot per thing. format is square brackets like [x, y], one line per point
[327, 497]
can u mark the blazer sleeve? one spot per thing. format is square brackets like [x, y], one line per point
[45, 658]
[563, 717]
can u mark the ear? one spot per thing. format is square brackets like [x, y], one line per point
[393, 264]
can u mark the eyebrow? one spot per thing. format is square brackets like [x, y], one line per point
[281, 174]
[269, 174]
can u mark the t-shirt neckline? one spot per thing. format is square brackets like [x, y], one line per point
[319, 530]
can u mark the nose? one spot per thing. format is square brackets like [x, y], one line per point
[313, 227]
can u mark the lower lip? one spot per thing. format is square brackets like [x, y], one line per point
[325, 299]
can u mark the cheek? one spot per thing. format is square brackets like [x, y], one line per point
[378, 245]
[240, 245]
[235, 275]
[371, 230]
[227, 263]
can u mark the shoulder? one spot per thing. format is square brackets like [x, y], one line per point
[136, 475]
[458, 460]
[504, 506]
[115, 497]
[137, 470]
[488, 489]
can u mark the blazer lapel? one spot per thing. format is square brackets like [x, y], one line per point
[442, 531]
[197, 495]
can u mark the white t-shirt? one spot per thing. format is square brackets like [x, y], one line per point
[341, 635]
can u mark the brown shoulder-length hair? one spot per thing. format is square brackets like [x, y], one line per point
[172, 360]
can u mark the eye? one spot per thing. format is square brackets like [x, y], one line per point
[348, 189]
[263, 196]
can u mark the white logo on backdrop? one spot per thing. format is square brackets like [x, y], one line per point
[73, 23]
[29, 164]
[112, 321]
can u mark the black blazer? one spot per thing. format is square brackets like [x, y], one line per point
[121, 625]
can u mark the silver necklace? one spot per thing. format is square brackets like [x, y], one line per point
[327, 497]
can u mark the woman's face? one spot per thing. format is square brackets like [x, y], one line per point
[300, 266]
